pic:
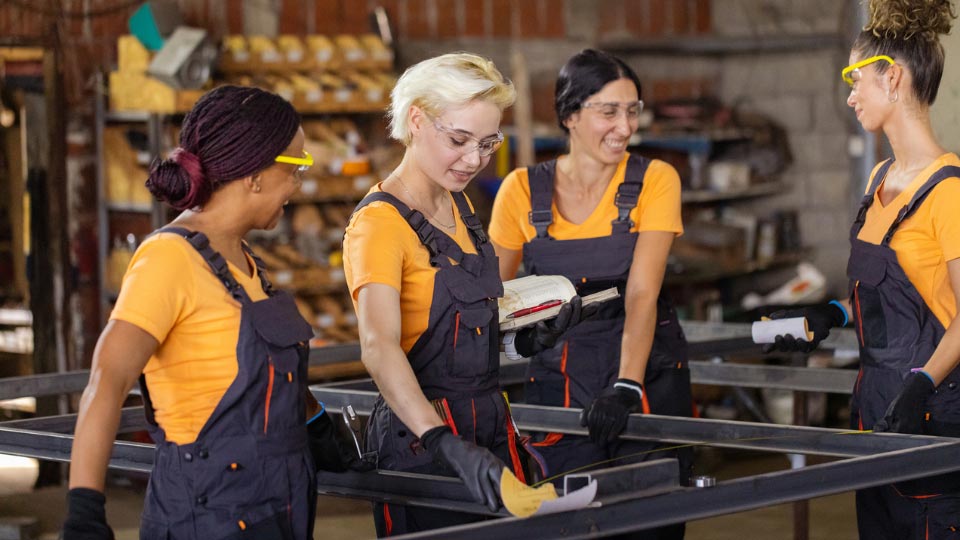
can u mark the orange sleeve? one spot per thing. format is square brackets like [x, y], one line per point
[156, 289]
[659, 204]
[946, 221]
[509, 221]
[373, 247]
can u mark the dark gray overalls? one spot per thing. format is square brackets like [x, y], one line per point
[249, 473]
[456, 361]
[898, 332]
[587, 361]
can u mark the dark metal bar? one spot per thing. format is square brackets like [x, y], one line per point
[725, 498]
[615, 484]
[839, 381]
[43, 385]
[131, 419]
[403, 488]
[699, 431]
[56, 447]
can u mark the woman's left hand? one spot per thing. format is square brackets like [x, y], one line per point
[546, 334]
[907, 412]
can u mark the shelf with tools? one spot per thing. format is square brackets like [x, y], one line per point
[340, 85]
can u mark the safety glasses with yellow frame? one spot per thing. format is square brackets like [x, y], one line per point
[303, 163]
[847, 71]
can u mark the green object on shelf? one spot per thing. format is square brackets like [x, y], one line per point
[144, 26]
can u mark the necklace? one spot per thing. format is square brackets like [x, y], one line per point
[417, 200]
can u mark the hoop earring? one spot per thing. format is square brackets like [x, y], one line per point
[895, 98]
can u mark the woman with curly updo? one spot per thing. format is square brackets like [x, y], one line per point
[904, 266]
[219, 354]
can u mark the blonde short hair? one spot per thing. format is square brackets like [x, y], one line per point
[446, 81]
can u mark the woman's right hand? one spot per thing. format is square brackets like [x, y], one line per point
[479, 469]
[86, 516]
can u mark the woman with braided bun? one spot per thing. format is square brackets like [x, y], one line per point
[219, 354]
[904, 266]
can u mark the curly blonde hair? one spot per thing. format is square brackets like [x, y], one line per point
[906, 19]
[909, 32]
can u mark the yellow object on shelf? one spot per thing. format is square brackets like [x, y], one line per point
[132, 56]
[138, 92]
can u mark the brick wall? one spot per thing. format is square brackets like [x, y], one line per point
[798, 88]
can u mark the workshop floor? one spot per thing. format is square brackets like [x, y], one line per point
[830, 517]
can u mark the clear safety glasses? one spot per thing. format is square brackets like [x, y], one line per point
[611, 109]
[459, 140]
[303, 163]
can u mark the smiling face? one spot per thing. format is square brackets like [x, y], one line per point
[445, 147]
[597, 133]
[869, 94]
[278, 183]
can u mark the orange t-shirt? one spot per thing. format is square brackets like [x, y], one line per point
[658, 208]
[927, 240]
[380, 247]
[170, 292]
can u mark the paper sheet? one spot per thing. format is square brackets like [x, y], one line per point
[766, 331]
[533, 290]
[522, 500]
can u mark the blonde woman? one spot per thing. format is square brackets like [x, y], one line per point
[424, 281]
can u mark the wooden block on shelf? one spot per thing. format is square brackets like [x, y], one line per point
[132, 56]
[138, 92]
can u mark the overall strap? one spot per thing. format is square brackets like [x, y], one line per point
[867, 201]
[470, 219]
[442, 248]
[424, 230]
[908, 209]
[541, 177]
[217, 263]
[628, 193]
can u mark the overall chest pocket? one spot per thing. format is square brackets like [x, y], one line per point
[284, 336]
[472, 342]
[865, 298]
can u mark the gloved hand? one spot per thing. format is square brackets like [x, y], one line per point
[331, 451]
[820, 319]
[86, 516]
[545, 334]
[907, 411]
[606, 417]
[479, 469]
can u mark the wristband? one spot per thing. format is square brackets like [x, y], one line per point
[319, 414]
[846, 318]
[920, 370]
[510, 346]
[629, 385]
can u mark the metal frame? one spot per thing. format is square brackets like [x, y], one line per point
[899, 457]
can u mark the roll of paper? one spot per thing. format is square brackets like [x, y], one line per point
[765, 331]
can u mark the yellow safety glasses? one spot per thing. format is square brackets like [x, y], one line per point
[863, 63]
[304, 162]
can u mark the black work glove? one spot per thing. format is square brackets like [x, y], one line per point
[479, 469]
[331, 450]
[607, 416]
[545, 334]
[86, 516]
[820, 319]
[907, 412]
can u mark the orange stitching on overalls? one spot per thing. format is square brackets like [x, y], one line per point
[566, 378]
[856, 299]
[456, 331]
[266, 406]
